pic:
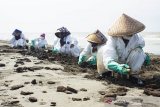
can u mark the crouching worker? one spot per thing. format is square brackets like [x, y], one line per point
[18, 40]
[123, 53]
[40, 42]
[89, 53]
[64, 43]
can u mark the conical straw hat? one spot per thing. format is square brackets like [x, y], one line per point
[125, 25]
[97, 37]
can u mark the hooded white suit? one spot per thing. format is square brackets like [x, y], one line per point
[87, 51]
[132, 54]
[20, 42]
[41, 42]
[74, 51]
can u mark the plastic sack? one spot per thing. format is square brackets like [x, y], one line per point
[100, 66]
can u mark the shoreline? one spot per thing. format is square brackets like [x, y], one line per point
[21, 68]
[151, 40]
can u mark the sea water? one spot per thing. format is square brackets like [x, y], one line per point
[152, 40]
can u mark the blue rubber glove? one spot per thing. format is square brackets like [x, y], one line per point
[119, 68]
[92, 60]
[82, 58]
[54, 50]
[147, 60]
[33, 43]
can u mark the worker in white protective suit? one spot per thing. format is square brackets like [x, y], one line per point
[40, 43]
[89, 53]
[18, 40]
[65, 43]
[123, 53]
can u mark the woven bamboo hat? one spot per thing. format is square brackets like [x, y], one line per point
[125, 25]
[96, 37]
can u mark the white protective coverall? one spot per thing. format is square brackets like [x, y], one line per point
[87, 51]
[132, 54]
[40, 42]
[20, 42]
[74, 51]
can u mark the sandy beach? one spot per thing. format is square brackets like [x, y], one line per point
[40, 79]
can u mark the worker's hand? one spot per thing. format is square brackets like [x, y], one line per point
[72, 45]
[124, 69]
[120, 68]
[147, 60]
[92, 60]
[54, 50]
[82, 58]
[33, 43]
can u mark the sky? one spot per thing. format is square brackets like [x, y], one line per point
[76, 15]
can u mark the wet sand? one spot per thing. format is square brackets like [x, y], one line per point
[43, 79]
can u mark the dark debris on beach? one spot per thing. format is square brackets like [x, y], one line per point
[150, 74]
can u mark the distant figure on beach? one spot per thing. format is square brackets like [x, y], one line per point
[123, 52]
[89, 53]
[40, 43]
[65, 43]
[18, 40]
